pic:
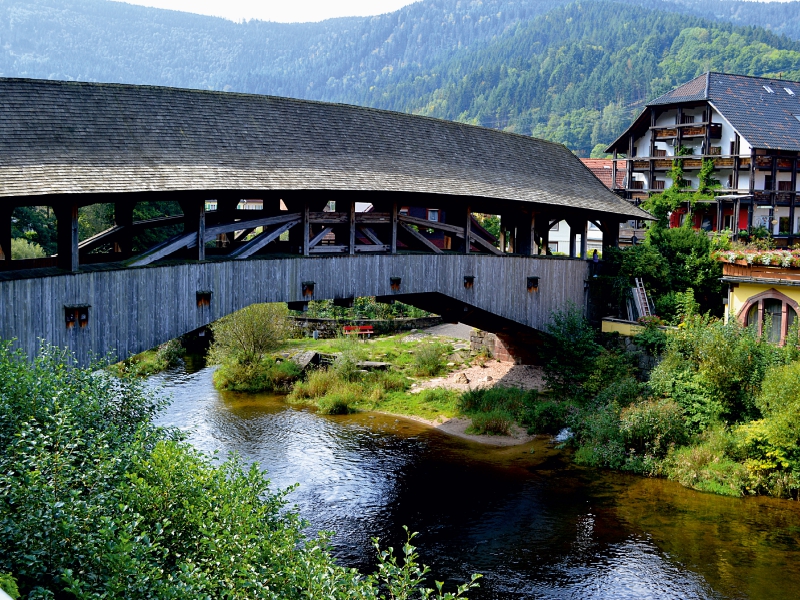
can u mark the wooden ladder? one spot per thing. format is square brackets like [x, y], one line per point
[642, 302]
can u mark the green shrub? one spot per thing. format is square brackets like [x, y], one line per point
[652, 427]
[606, 369]
[598, 436]
[569, 353]
[170, 354]
[546, 416]
[714, 371]
[493, 422]
[22, 249]
[97, 502]
[428, 359]
[264, 376]
[707, 466]
[9, 585]
[248, 335]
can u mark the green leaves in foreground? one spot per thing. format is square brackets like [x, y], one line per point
[97, 502]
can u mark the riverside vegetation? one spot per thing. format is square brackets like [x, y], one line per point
[98, 502]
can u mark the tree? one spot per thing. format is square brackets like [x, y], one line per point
[248, 335]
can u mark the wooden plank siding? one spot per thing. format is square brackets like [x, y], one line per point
[134, 309]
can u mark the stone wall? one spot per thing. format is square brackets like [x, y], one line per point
[330, 328]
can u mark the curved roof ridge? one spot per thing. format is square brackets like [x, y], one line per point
[97, 138]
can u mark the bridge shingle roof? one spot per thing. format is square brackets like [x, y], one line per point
[73, 138]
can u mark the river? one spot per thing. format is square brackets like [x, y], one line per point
[535, 525]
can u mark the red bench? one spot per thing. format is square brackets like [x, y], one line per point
[365, 330]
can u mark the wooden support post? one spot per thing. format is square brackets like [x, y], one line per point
[503, 233]
[123, 217]
[585, 240]
[201, 231]
[5, 232]
[614, 170]
[304, 224]
[610, 234]
[67, 235]
[467, 230]
[394, 228]
[573, 234]
[533, 249]
[352, 244]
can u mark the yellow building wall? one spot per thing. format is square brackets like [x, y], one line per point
[738, 297]
[624, 328]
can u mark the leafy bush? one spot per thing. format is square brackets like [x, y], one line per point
[707, 466]
[96, 502]
[248, 335]
[264, 376]
[22, 249]
[546, 416]
[428, 359]
[9, 585]
[652, 427]
[714, 370]
[598, 436]
[568, 353]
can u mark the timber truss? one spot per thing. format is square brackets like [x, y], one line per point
[291, 225]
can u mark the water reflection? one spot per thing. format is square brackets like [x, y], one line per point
[533, 524]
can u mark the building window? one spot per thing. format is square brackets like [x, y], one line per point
[555, 227]
[771, 313]
[784, 186]
[403, 211]
[686, 119]
[433, 214]
[552, 247]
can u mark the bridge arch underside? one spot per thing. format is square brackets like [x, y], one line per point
[123, 311]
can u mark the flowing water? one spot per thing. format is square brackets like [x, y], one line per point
[532, 523]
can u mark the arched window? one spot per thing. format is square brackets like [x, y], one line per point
[772, 313]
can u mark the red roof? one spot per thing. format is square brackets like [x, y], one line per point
[601, 167]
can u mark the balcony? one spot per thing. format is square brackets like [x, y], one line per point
[689, 130]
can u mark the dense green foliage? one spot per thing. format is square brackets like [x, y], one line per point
[573, 73]
[719, 411]
[243, 345]
[677, 270]
[160, 359]
[97, 502]
[363, 308]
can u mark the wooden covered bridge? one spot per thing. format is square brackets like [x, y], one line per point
[308, 166]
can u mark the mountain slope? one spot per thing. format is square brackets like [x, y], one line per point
[574, 73]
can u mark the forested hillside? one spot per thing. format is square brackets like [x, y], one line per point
[571, 72]
[579, 73]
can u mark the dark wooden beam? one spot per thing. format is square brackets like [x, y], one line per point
[257, 243]
[67, 236]
[305, 225]
[370, 235]
[468, 231]
[5, 232]
[319, 237]
[394, 227]
[352, 244]
[420, 238]
[479, 241]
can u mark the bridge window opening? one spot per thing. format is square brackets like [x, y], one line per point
[394, 283]
[403, 211]
[330, 206]
[308, 289]
[283, 205]
[76, 315]
[204, 298]
[469, 281]
[533, 284]
[251, 204]
[433, 214]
